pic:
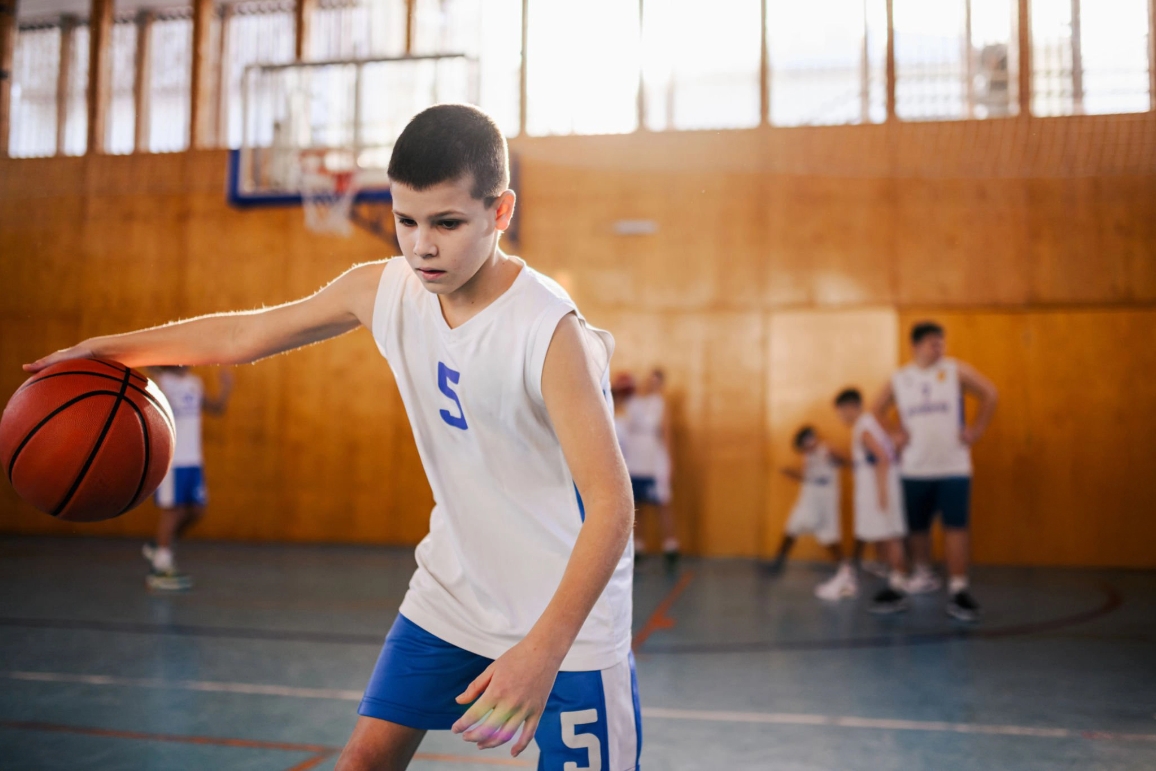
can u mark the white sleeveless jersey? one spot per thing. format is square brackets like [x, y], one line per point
[622, 430]
[506, 513]
[871, 522]
[930, 404]
[186, 395]
[648, 453]
[819, 469]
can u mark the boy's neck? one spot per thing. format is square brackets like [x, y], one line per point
[493, 278]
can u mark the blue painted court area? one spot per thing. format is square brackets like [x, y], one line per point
[262, 664]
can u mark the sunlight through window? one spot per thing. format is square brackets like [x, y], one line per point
[827, 61]
[700, 64]
[582, 67]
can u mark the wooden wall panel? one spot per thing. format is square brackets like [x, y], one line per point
[774, 248]
[812, 259]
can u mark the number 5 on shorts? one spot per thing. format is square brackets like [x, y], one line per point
[577, 741]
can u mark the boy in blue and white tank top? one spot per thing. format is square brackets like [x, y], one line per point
[935, 440]
[182, 494]
[517, 620]
[879, 516]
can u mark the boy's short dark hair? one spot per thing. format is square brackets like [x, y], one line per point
[448, 141]
[923, 329]
[802, 435]
[849, 396]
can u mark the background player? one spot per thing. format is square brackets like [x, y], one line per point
[621, 389]
[649, 439]
[879, 517]
[182, 495]
[519, 613]
[934, 439]
[816, 511]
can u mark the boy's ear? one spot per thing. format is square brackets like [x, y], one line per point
[504, 210]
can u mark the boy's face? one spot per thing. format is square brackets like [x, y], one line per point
[929, 350]
[445, 233]
[848, 413]
[808, 445]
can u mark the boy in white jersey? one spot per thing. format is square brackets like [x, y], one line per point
[878, 496]
[518, 616]
[934, 439]
[648, 461]
[816, 511]
[182, 494]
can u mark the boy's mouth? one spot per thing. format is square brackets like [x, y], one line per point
[430, 274]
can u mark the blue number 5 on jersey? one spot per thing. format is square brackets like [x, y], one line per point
[445, 377]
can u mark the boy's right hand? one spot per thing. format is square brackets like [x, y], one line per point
[900, 438]
[79, 351]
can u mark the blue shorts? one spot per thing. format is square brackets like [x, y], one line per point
[645, 491]
[182, 486]
[949, 496]
[592, 719]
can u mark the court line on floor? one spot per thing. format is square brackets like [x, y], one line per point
[1112, 601]
[935, 726]
[652, 713]
[659, 618]
[197, 630]
[211, 686]
[322, 752]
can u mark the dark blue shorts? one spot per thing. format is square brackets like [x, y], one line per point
[645, 491]
[592, 719]
[182, 486]
[948, 496]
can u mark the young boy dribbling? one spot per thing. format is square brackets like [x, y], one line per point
[517, 620]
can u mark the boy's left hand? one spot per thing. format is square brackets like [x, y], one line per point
[512, 691]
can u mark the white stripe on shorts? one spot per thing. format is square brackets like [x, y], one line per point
[167, 492]
[621, 729]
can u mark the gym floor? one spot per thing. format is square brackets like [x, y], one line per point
[261, 666]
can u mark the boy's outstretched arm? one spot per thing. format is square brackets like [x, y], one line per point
[514, 689]
[243, 336]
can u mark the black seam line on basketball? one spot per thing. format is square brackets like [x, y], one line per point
[133, 386]
[1112, 601]
[115, 365]
[44, 420]
[96, 447]
[120, 370]
[144, 469]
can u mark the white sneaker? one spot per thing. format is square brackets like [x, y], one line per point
[169, 581]
[840, 585]
[923, 581]
[877, 569]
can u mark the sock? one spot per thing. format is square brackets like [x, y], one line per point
[957, 584]
[922, 569]
[897, 581]
[639, 545]
[162, 559]
[670, 545]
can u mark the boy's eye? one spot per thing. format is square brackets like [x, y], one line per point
[449, 224]
[406, 221]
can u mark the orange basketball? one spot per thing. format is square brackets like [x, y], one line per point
[86, 439]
